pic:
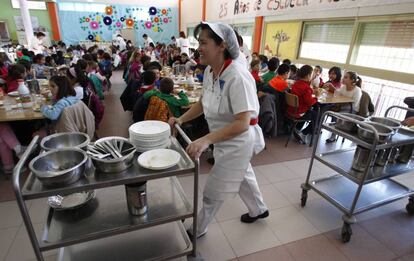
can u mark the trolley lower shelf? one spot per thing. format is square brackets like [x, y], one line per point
[107, 215]
[340, 191]
[162, 242]
[341, 161]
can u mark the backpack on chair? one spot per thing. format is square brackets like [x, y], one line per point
[158, 110]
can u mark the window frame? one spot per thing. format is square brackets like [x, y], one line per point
[396, 76]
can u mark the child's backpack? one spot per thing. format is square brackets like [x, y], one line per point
[158, 110]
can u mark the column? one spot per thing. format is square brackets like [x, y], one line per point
[54, 21]
[258, 27]
[27, 23]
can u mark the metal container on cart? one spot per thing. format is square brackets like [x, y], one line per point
[105, 230]
[362, 185]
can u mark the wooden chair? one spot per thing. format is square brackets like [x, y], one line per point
[292, 101]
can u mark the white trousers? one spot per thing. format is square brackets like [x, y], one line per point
[249, 192]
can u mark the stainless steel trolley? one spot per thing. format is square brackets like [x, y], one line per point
[354, 192]
[103, 229]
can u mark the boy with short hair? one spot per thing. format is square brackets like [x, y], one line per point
[166, 93]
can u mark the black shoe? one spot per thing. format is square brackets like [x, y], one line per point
[248, 219]
[298, 137]
[211, 161]
[331, 139]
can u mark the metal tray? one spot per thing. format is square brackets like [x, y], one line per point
[94, 179]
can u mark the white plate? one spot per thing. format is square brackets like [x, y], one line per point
[13, 94]
[159, 159]
[143, 149]
[1, 103]
[149, 128]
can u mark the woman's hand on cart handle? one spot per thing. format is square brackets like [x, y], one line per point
[172, 121]
[408, 122]
[196, 148]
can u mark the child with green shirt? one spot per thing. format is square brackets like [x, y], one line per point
[272, 65]
[166, 93]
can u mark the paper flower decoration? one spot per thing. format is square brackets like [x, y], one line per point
[109, 10]
[94, 25]
[164, 11]
[156, 19]
[90, 37]
[148, 25]
[98, 38]
[122, 19]
[118, 24]
[87, 19]
[98, 18]
[153, 11]
[165, 20]
[107, 20]
[129, 22]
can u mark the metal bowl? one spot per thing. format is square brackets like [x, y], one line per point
[118, 164]
[384, 132]
[65, 140]
[59, 167]
[393, 124]
[346, 125]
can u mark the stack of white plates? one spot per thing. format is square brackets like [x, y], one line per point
[149, 135]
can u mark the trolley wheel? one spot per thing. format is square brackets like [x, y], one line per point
[346, 232]
[410, 206]
[304, 197]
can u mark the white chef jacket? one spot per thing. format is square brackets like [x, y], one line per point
[234, 92]
[121, 43]
[36, 46]
[184, 45]
[147, 42]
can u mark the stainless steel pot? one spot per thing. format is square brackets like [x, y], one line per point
[361, 159]
[59, 167]
[346, 125]
[117, 164]
[137, 198]
[384, 132]
[65, 140]
[393, 124]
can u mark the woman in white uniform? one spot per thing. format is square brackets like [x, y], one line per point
[184, 44]
[230, 106]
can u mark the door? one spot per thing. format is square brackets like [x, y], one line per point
[129, 34]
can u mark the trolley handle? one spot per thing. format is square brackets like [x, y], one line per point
[397, 107]
[16, 172]
[182, 133]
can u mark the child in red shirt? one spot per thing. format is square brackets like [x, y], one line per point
[304, 91]
[255, 68]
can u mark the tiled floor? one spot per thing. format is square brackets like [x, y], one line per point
[289, 233]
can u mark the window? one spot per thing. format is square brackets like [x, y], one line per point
[35, 5]
[385, 45]
[81, 7]
[326, 41]
[245, 31]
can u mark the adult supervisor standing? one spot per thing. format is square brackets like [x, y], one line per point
[230, 106]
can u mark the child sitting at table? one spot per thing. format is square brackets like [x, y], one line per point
[39, 67]
[63, 94]
[186, 61]
[317, 81]
[97, 79]
[303, 90]
[351, 88]
[272, 66]
[166, 93]
[334, 82]
[255, 67]
[16, 72]
[148, 81]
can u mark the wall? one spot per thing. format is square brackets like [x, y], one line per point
[191, 13]
[7, 13]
